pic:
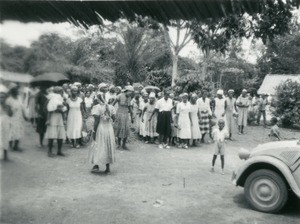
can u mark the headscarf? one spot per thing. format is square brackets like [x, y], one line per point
[220, 92]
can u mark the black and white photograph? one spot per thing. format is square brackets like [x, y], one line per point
[150, 111]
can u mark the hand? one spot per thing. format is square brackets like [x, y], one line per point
[223, 114]
[214, 115]
[143, 120]
[132, 120]
[150, 119]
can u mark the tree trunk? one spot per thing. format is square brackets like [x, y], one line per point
[174, 69]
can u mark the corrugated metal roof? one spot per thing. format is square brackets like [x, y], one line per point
[271, 81]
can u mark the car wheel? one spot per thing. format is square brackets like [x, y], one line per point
[266, 191]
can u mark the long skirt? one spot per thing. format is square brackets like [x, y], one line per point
[122, 125]
[196, 133]
[74, 123]
[150, 127]
[163, 126]
[230, 122]
[184, 126]
[102, 150]
[204, 123]
[243, 115]
[16, 126]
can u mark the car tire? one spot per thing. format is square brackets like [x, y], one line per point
[266, 191]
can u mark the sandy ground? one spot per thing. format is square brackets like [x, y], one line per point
[42, 190]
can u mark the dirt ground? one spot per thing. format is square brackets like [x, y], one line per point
[147, 185]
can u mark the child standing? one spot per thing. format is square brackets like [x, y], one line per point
[219, 135]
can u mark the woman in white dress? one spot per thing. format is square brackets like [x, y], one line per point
[184, 121]
[74, 121]
[195, 115]
[17, 119]
[103, 150]
[219, 108]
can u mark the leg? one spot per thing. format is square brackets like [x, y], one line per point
[222, 163]
[59, 146]
[258, 116]
[16, 146]
[264, 117]
[242, 129]
[5, 155]
[41, 139]
[50, 145]
[11, 144]
[107, 170]
[213, 162]
[202, 138]
[124, 144]
[119, 142]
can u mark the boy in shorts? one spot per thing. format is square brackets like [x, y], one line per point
[219, 135]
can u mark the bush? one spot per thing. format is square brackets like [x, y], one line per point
[287, 103]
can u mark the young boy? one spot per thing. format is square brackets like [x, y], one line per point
[219, 135]
[274, 132]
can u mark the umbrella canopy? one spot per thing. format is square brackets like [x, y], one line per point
[48, 79]
[152, 88]
[15, 77]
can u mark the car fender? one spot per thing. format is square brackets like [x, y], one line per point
[271, 161]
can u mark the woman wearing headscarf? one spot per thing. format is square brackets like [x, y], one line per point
[184, 121]
[5, 114]
[242, 104]
[55, 122]
[195, 116]
[150, 126]
[17, 119]
[75, 117]
[103, 152]
[205, 113]
[142, 125]
[230, 110]
[122, 123]
[164, 119]
[219, 106]
[135, 107]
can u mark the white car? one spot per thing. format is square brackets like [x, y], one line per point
[270, 174]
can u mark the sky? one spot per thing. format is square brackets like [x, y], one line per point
[16, 33]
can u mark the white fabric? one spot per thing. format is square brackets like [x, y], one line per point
[204, 105]
[184, 123]
[219, 108]
[163, 105]
[88, 102]
[54, 101]
[74, 122]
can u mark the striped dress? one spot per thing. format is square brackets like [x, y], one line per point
[205, 112]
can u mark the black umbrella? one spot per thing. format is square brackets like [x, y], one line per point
[49, 79]
[152, 88]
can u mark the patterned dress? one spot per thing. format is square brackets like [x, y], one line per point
[150, 126]
[205, 112]
[122, 123]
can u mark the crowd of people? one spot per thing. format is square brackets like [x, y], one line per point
[109, 114]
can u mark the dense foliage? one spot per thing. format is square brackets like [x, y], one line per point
[288, 103]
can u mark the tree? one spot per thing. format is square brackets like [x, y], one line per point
[138, 48]
[48, 54]
[183, 37]
[12, 58]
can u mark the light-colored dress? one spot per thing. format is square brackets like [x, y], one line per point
[16, 121]
[55, 123]
[196, 133]
[103, 152]
[184, 124]
[243, 110]
[4, 127]
[220, 109]
[143, 124]
[74, 121]
[32, 113]
[150, 126]
[230, 110]
[122, 123]
[136, 114]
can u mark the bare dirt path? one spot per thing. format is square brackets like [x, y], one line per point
[147, 185]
